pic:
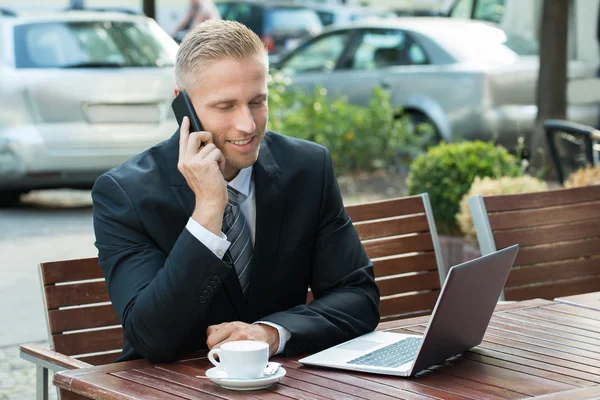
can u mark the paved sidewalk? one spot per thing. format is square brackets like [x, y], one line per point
[17, 376]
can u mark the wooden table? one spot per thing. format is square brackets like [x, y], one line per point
[537, 348]
[586, 300]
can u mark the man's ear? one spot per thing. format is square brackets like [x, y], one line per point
[176, 91]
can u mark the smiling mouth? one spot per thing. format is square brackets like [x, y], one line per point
[242, 142]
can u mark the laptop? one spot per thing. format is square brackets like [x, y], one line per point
[458, 322]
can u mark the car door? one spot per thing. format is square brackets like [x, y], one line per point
[314, 63]
[372, 57]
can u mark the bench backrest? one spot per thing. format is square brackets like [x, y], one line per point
[559, 236]
[76, 299]
[400, 237]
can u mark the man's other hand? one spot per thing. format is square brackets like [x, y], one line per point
[216, 335]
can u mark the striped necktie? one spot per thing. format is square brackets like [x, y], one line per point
[236, 229]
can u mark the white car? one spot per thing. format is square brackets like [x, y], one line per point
[80, 92]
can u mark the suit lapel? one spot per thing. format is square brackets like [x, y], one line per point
[185, 196]
[269, 211]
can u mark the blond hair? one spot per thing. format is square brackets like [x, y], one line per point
[210, 41]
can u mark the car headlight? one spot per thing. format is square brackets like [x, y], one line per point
[10, 162]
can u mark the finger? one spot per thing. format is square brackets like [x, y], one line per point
[219, 336]
[206, 149]
[213, 328]
[195, 141]
[215, 155]
[184, 133]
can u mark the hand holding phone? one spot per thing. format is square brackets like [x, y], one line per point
[202, 166]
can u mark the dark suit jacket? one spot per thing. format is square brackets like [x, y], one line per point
[167, 287]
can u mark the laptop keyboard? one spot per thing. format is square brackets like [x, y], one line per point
[391, 356]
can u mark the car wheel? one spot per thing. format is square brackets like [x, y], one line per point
[10, 198]
[418, 120]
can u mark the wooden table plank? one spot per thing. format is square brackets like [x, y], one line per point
[544, 343]
[575, 394]
[561, 319]
[581, 342]
[108, 387]
[548, 325]
[585, 312]
[531, 367]
[184, 374]
[586, 300]
[385, 384]
[182, 391]
[492, 375]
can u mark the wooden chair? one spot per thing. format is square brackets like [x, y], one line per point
[559, 235]
[399, 235]
[83, 327]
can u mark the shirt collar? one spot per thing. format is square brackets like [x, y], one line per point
[241, 182]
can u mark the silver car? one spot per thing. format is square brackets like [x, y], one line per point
[469, 79]
[80, 92]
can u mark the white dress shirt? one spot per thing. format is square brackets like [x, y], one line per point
[244, 184]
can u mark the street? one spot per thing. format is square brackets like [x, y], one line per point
[50, 225]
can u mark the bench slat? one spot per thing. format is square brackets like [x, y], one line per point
[76, 294]
[386, 208]
[82, 318]
[71, 270]
[392, 227]
[399, 245]
[89, 342]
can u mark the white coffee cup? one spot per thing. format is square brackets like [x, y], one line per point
[242, 359]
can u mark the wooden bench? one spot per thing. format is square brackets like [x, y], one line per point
[399, 236]
[559, 235]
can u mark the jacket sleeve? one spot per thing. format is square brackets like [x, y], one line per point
[346, 296]
[149, 289]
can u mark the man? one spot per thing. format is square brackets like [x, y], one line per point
[182, 273]
[198, 12]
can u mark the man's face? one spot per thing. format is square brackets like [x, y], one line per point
[231, 103]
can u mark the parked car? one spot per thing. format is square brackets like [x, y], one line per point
[337, 14]
[469, 79]
[80, 92]
[281, 26]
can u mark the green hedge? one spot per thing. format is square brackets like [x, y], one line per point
[447, 171]
[359, 138]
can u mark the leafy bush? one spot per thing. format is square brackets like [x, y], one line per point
[359, 138]
[492, 187]
[584, 177]
[447, 171]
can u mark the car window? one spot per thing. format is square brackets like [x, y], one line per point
[484, 10]
[462, 9]
[384, 48]
[320, 55]
[326, 17]
[91, 43]
[295, 18]
[247, 14]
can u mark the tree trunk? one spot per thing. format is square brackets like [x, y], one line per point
[552, 80]
[150, 8]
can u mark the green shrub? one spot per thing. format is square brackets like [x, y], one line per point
[447, 171]
[493, 187]
[359, 138]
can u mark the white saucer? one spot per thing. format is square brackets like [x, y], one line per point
[219, 377]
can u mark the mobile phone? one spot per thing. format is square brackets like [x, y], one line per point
[182, 107]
